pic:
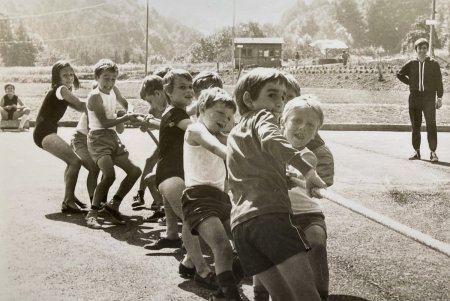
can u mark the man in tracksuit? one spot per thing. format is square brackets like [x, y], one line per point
[423, 75]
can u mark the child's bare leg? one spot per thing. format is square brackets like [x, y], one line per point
[272, 280]
[214, 234]
[89, 164]
[150, 182]
[133, 173]
[148, 168]
[301, 284]
[172, 190]
[60, 149]
[106, 165]
[317, 256]
[24, 113]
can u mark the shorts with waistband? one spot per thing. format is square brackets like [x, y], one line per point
[78, 141]
[203, 201]
[105, 143]
[266, 241]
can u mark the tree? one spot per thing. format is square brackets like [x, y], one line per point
[350, 17]
[25, 51]
[389, 21]
[419, 30]
[6, 41]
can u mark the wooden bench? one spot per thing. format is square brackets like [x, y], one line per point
[13, 124]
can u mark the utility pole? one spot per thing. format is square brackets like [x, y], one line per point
[146, 42]
[433, 15]
[232, 41]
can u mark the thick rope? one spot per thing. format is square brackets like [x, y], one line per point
[418, 236]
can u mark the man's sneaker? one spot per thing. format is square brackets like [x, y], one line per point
[163, 243]
[91, 220]
[434, 157]
[185, 271]
[115, 215]
[415, 156]
[138, 200]
[155, 216]
[209, 282]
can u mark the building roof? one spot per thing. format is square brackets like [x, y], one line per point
[329, 44]
[258, 41]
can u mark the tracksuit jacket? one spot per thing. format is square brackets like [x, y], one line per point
[422, 76]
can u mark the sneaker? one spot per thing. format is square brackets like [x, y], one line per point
[232, 295]
[434, 157]
[163, 243]
[115, 215]
[185, 272]
[155, 217]
[138, 200]
[209, 282]
[162, 221]
[91, 220]
[415, 156]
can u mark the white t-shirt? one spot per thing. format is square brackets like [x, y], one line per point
[201, 167]
[300, 201]
[109, 104]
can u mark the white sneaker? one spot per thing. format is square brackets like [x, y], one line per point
[91, 220]
[434, 157]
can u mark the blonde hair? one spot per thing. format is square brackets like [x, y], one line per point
[304, 102]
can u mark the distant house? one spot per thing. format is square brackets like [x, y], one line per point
[329, 51]
[258, 52]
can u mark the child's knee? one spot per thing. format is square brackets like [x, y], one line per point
[108, 178]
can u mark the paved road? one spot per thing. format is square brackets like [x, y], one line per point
[46, 255]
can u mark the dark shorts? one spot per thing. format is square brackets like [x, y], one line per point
[166, 171]
[79, 141]
[105, 143]
[266, 241]
[307, 220]
[41, 132]
[200, 202]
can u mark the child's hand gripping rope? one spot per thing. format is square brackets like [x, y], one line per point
[312, 183]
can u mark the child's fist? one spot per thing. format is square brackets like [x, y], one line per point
[313, 181]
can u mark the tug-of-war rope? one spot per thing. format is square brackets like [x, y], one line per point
[381, 219]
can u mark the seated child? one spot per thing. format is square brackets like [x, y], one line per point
[104, 145]
[152, 92]
[206, 206]
[12, 108]
[267, 242]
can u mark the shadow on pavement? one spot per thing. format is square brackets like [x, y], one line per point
[447, 164]
[134, 232]
[345, 298]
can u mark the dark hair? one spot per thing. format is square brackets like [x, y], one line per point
[212, 96]
[162, 71]
[56, 78]
[9, 85]
[420, 42]
[103, 65]
[253, 82]
[205, 80]
[169, 80]
[292, 83]
[150, 84]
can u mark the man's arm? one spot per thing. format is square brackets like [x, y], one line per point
[403, 74]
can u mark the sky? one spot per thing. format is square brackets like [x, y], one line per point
[209, 15]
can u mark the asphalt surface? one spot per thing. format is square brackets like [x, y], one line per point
[47, 255]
